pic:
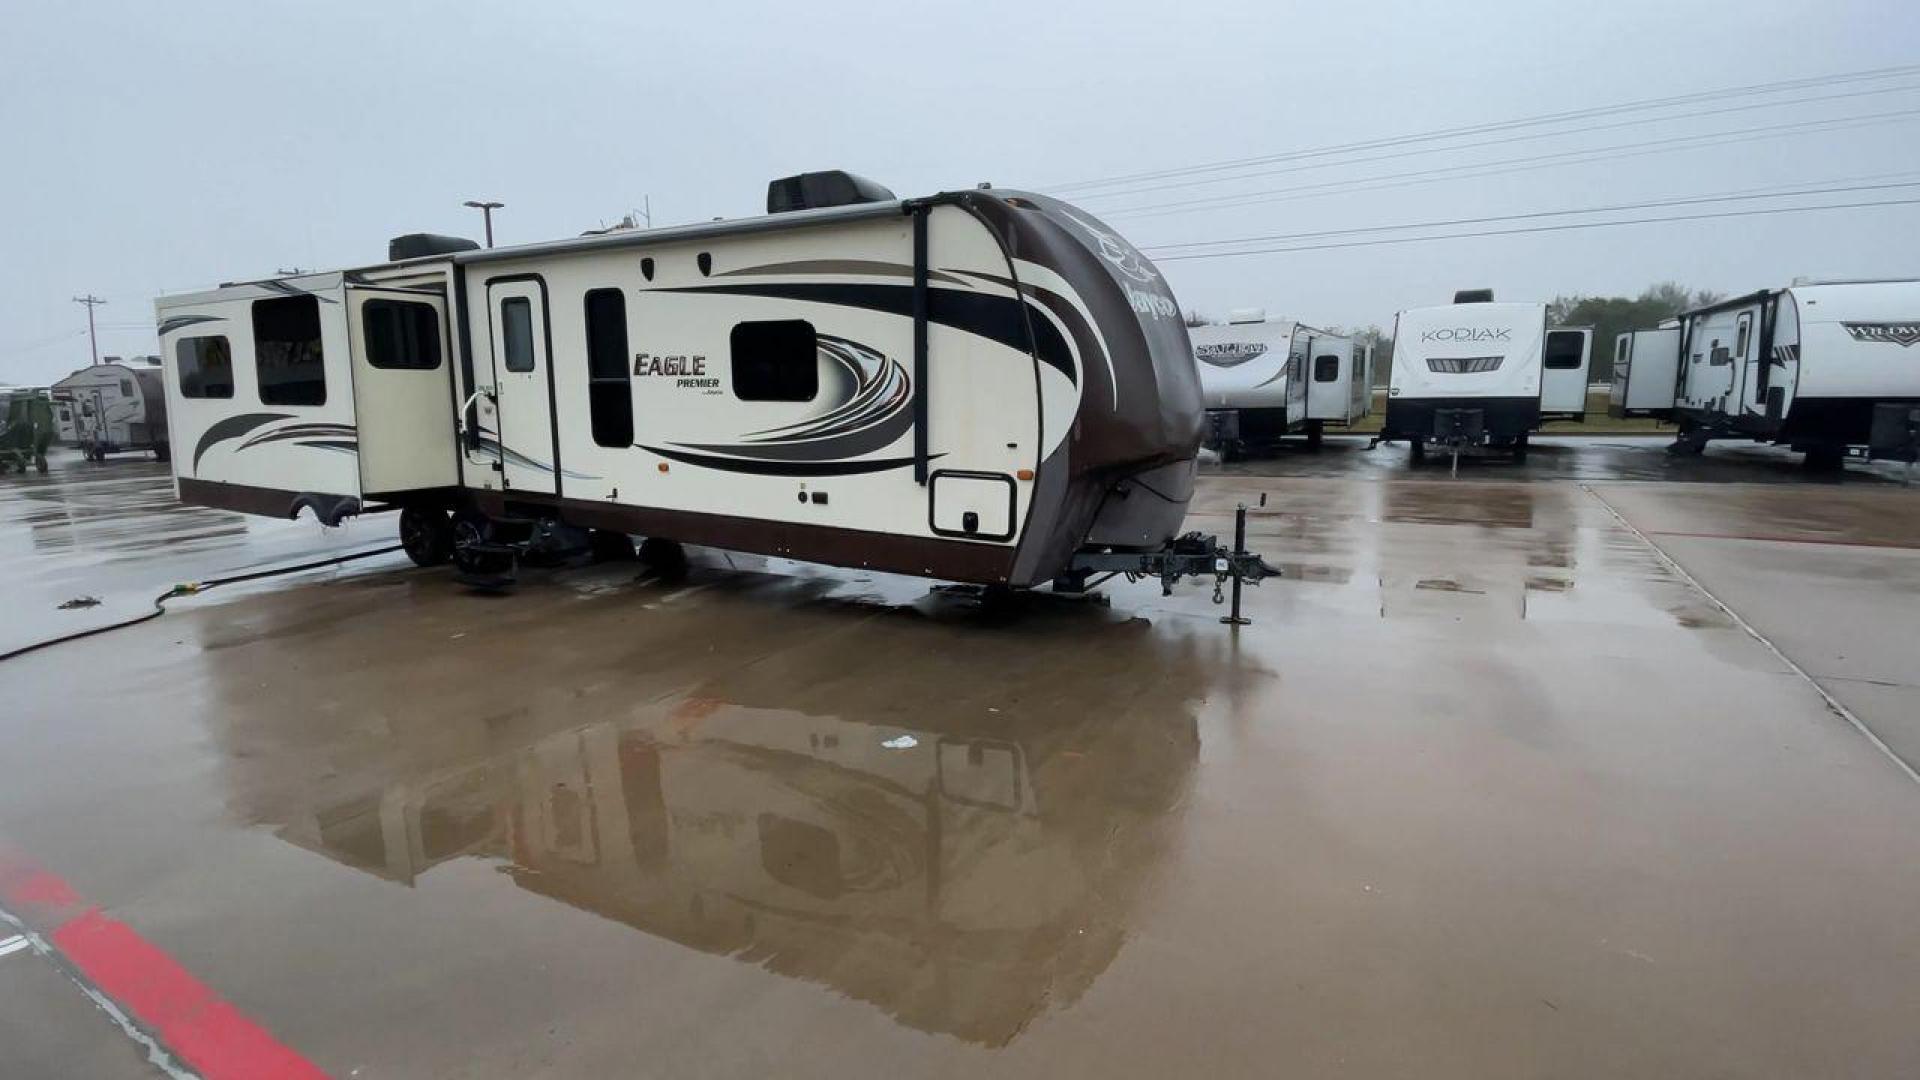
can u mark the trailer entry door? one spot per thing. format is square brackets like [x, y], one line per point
[523, 385]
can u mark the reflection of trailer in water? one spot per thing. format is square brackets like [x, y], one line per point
[113, 407]
[1265, 379]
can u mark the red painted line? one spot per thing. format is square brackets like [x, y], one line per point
[195, 1024]
[1767, 539]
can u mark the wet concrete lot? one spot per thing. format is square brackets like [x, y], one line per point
[1491, 788]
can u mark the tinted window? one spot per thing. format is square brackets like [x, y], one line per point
[609, 380]
[516, 328]
[286, 351]
[401, 334]
[1563, 350]
[1740, 343]
[205, 366]
[775, 361]
[126, 387]
[1326, 368]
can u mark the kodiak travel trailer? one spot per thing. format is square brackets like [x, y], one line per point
[983, 386]
[1820, 366]
[1467, 374]
[1646, 368]
[1263, 380]
[113, 407]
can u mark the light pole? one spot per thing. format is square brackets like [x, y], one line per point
[486, 208]
[92, 302]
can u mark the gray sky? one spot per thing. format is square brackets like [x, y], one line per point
[158, 147]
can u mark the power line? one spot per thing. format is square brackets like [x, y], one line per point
[1587, 130]
[1539, 229]
[1439, 134]
[1802, 191]
[1510, 165]
[93, 341]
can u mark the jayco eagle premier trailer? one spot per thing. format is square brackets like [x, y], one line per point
[1646, 368]
[1263, 380]
[982, 386]
[113, 407]
[1820, 367]
[1466, 374]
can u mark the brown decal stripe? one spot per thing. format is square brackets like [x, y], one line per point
[780, 468]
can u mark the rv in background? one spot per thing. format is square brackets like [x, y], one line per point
[1646, 368]
[1820, 366]
[1467, 374]
[116, 406]
[983, 386]
[1565, 367]
[1263, 380]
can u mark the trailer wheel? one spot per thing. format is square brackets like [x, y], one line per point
[665, 557]
[427, 535]
[1520, 448]
[1316, 433]
[606, 545]
[1826, 457]
[472, 533]
[1417, 449]
[162, 453]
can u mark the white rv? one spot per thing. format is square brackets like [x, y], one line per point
[1565, 366]
[1467, 374]
[1646, 368]
[982, 386]
[1263, 380]
[1818, 366]
[113, 407]
[1251, 378]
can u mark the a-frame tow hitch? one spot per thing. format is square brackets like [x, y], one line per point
[1191, 555]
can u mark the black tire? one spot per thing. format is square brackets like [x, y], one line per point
[1826, 457]
[471, 529]
[605, 545]
[1520, 449]
[1316, 434]
[427, 535]
[1417, 449]
[162, 453]
[665, 557]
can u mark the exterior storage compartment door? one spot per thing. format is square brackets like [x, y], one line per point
[972, 505]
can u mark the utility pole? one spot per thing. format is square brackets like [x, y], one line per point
[91, 301]
[486, 208]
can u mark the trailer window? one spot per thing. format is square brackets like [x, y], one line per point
[609, 381]
[126, 388]
[205, 366]
[401, 335]
[1740, 342]
[775, 361]
[1326, 368]
[1563, 351]
[286, 351]
[516, 326]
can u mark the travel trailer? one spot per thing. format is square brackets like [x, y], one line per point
[1265, 379]
[1251, 372]
[1646, 368]
[1564, 369]
[116, 406]
[1819, 366]
[1467, 374]
[983, 386]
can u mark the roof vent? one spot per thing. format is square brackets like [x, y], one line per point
[811, 191]
[1473, 296]
[420, 245]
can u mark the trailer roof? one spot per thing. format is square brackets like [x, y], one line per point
[830, 215]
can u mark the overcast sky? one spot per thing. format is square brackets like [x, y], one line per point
[157, 147]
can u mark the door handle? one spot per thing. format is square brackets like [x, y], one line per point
[472, 435]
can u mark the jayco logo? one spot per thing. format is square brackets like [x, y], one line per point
[1151, 303]
[1886, 333]
[1468, 333]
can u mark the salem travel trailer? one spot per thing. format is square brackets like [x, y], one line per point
[981, 386]
[1466, 374]
[1821, 367]
[1646, 369]
[1565, 365]
[113, 407]
[1251, 380]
